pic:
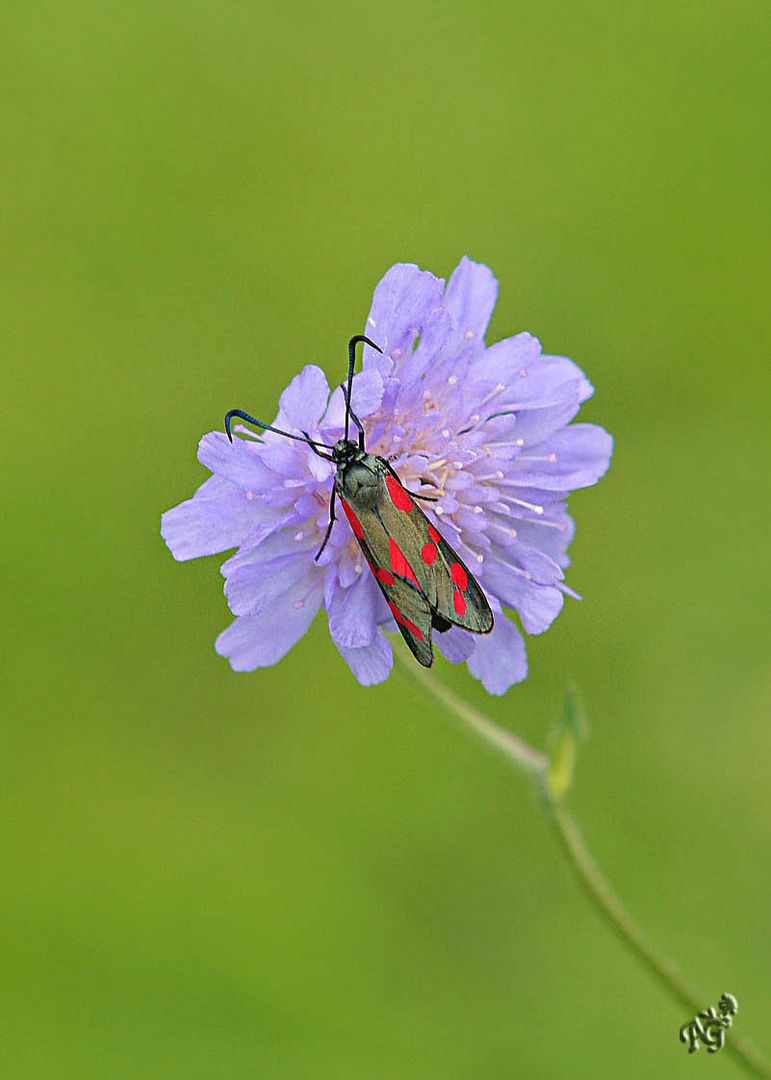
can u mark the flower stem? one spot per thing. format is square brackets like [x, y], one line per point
[583, 864]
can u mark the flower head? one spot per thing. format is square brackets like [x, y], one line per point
[484, 429]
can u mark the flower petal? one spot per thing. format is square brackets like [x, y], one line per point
[470, 298]
[499, 659]
[262, 641]
[238, 461]
[353, 612]
[501, 362]
[537, 605]
[455, 644]
[372, 663]
[402, 300]
[550, 534]
[365, 398]
[573, 458]
[253, 588]
[304, 400]
[217, 517]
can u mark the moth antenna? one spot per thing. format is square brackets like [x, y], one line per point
[351, 364]
[268, 427]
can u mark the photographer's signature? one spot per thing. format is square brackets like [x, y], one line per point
[710, 1025]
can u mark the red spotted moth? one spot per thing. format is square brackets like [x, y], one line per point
[424, 582]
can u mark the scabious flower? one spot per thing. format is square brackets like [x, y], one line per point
[484, 429]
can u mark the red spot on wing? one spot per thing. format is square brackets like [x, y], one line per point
[428, 554]
[459, 575]
[384, 575]
[358, 530]
[459, 601]
[399, 497]
[405, 622]
[433, 534]
[399, 563]
[412, 628]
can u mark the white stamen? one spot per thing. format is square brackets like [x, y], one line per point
[457, 464]
[480, 559]
[479, 510]
[527, 505]
[496, 390]
[468, 335]
[558, 525]
[397, 438]
[426, 395]
[452, 380]
[551, 458]
[446, 433]
[299, 535]
[438, 510]
[250, 495]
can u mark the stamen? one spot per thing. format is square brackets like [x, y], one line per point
[250, 495]
[493, 393]
[452, 379]
[521, 502]
[560, 526]
[299, 535]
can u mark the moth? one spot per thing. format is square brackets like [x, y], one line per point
[425, 583]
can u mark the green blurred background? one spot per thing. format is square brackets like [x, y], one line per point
[209, 875]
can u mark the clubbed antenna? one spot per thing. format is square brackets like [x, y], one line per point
[351, 363]
[268, 427]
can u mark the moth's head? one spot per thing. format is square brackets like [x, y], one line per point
[344, 450]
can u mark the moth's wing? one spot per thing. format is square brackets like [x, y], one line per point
[408, 605]
[441, 575]
[413, 617]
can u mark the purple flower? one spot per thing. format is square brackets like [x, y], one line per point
[485, 428]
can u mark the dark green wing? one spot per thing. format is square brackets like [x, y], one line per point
[444, 579]
[423, 580]
[408, 605]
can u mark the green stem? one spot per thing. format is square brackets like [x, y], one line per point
[584, 866]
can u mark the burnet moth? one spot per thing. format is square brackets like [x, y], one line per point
[424, 582]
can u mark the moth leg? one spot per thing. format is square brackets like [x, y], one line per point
[317, 556]
[425, 498]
